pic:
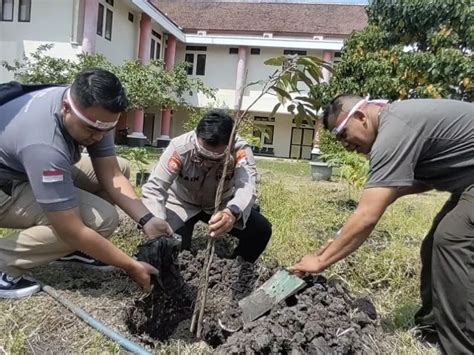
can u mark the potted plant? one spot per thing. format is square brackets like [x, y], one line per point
[140, 159]
[321, 169]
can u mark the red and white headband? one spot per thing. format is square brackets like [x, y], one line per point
[103, 126]
[342, 121]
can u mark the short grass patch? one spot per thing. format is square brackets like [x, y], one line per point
[304, 214]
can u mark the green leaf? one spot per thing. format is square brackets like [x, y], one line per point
[281, 92]
[277, 61]
[275, 109]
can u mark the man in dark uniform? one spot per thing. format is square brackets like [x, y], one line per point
[415, 146]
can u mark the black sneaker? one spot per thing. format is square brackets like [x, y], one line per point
[11, 287]
[80, 258]
[427, 335]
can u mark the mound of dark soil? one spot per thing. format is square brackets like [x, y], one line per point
[322, 318]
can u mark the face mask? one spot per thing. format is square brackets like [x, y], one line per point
[207, 154]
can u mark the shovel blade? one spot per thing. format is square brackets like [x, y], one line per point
[278, 288]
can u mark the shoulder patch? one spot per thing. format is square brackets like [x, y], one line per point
[240, 157]
[174, 163]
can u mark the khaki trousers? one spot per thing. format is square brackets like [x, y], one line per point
[35, 243]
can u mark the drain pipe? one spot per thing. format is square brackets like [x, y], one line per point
[101, 327]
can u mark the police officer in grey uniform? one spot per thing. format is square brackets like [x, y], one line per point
[182, 186]
[415, 146]
[59, 203]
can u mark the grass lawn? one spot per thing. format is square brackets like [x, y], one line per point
[304, 214]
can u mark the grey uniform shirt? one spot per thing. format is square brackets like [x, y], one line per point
[182, 183]
[35, 147]
[424, 141]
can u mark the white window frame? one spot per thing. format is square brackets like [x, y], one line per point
[108, 9]
[27, 8]
[195, 53]
[153, 42]
[12, 13]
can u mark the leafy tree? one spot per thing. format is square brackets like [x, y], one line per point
[410, 49]
[147, 85]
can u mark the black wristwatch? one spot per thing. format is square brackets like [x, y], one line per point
[236, 211]
[144, 220]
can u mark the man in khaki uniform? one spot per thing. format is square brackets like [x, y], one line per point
[182, 186]
[60, 202]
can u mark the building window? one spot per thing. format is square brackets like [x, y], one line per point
[265, 133]
[233, 50]
[189, 58]
[6, 10]
[100, 20]
[108, 21]
[264, 119]
[24, 11]
[155, 46]
[337, 58]
[196, 48]
[255, 51]
[108, 25]
[196, 60]
[293, 52]
[268, 137]
[130, 17]
[201, 64]
[110, 2]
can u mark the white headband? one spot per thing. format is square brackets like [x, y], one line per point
[338, 128]
[94, 123]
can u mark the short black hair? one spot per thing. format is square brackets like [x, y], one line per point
[215, 128]
[99, 87]
[337, 105]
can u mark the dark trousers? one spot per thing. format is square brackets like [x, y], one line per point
[447, 276]
[252, 240]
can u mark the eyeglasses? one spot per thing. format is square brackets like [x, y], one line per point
[343, 119]
[92, 123]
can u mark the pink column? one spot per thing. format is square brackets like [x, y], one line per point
[170, 53]
[240, 76]
[90, 26]
[328, 57]
[145, 39]
[143, 57]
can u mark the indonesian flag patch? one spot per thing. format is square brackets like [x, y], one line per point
[53, 175]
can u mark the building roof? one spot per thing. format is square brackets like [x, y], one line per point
[276, 18]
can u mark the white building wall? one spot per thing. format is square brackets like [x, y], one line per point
[51, 22]
[221, 68]
[177, 121]
[123, 45]
[257, 70]
[60, 23]
[220, 74]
